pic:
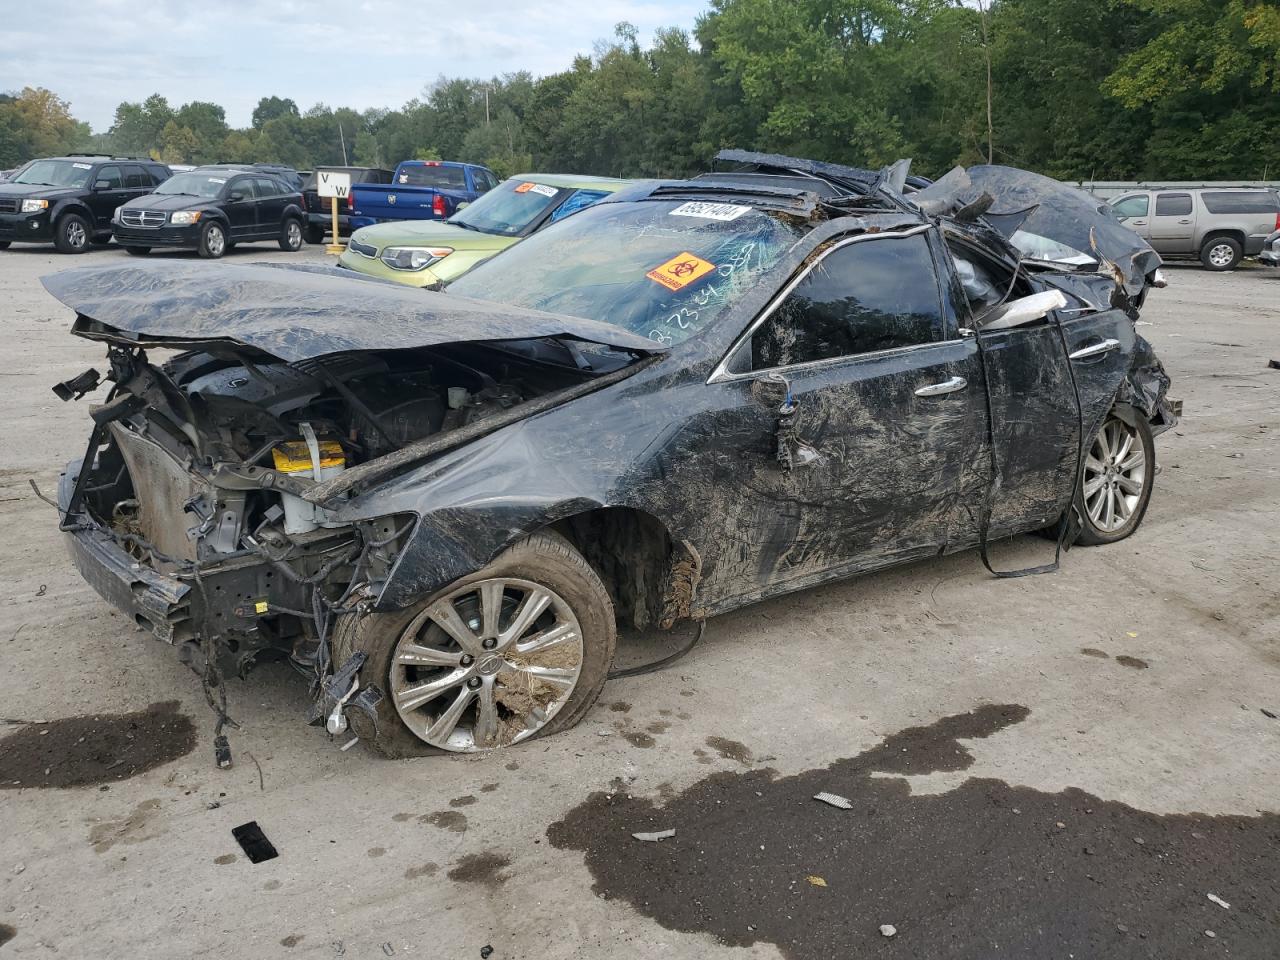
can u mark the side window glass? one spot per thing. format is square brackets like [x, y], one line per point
[242, 187]
[576, 202]
[1173, 204]
[265, 188]
[1133, 206]
[867, 296]
[135, 179]
[158, 176]
[111, 176]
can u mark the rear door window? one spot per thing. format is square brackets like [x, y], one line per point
[447, 178]
[1240, 201]
[866, 296]
[264, 188]
[1173, 204]
[135, 178]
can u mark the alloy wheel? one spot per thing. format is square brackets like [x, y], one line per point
[1221, 254]
[1115, 474]
[217, 242]
[293, 233]
[77, 236]
[487, 665]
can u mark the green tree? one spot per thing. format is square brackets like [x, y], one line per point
[139, 127]
[37, 123]
[271, 108]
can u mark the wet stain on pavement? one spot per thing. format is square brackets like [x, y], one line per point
[638, 738]
[485, 868]
[402, 817]
[730, 749]
[374, 852]
[137, 826]
[226, 858]
[1134, 662]
[488, 788]
[466, 801]
[986, 870]
[92, 749]
[424, 870]
[1095, 652]
[620, 706]
[293, 939]
[658, 726]
[446, 820]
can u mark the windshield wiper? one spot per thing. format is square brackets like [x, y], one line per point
[465, 226]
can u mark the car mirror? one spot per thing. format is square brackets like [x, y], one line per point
[235, 195]
[101, 185]
[1024, 310]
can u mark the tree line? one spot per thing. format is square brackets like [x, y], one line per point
[1078, 89]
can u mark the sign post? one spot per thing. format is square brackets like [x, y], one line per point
[336, 186]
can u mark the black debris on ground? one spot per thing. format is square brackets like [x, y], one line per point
[104, 747]
[984, 871]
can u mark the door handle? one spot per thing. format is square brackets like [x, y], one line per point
[1095, 349]
[938, 389]
[1184, 221]
[1139, 223]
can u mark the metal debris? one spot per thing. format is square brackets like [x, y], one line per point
[834, 799]
[655, 836]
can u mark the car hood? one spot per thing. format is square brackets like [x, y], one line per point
[1038, 205]
[296, 312]
[168, 202]
[431, 233]
[36, 190]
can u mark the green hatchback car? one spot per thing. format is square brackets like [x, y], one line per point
[427, 253]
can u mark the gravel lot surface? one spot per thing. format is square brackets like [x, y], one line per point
[1051, 766]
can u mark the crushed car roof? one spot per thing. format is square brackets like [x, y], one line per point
[296, 312]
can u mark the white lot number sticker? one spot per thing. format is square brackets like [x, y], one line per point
[543, 190]
[83, 166]
[710, 211]
[216, 180]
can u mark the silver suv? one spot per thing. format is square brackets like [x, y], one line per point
[1218, 225]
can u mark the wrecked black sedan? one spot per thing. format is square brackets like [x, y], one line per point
[687, 398]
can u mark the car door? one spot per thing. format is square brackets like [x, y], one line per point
[241, 206]
[847, 425]
[137, 182]
[272, 199]
[1173, 223]
[108, 193]
[1134, 212]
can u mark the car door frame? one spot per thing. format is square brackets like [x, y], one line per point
[269, 210]
[913, 368]
[1173, 232]
[103, 203]
[240, 226]
[1143, 221]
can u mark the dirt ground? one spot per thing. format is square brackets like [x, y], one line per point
[1051, 766]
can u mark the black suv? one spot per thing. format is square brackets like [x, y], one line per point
[70, 200]
[211, 209]
[319, 209]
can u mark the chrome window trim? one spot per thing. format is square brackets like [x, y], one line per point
[722, 374]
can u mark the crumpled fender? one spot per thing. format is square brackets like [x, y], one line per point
[1146, 388]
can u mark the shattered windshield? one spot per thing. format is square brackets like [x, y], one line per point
[663, 269]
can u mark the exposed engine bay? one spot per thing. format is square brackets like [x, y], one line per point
[198, 465]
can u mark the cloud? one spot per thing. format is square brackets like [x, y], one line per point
[357, 53]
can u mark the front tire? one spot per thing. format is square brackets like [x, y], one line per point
[1115, 484]
[291, 236]
[71, 235]
[1221, 253]
[213, 241]
[518, 649]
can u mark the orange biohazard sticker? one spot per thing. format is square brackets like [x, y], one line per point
[524, 187]
[680, 271]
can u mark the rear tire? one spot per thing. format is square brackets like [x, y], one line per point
[213, 241]
[139, 251]
[71, 235]
[1221, 253]
[578, 600]
[315, 234]
[1116, 482]
[291, 235]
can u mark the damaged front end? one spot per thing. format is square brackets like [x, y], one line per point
[189, 510]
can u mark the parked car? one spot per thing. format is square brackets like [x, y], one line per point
[290, 176]
[69, 201]
[685, 398]
[1217, 225]
[428, 253]
[420, 190]
[210, 210]
[319, 210]
[1270, 254]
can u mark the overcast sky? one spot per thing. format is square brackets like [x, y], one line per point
[357, 53]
